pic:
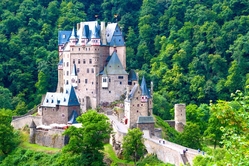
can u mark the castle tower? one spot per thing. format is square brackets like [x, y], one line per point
[32, 132]
[180, 117]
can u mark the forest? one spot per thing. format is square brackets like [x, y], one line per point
[194, 51]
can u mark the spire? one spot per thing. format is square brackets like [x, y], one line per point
[74, 71]
[144, 88]
[73, 36]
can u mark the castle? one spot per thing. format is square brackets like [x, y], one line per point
[91, 73]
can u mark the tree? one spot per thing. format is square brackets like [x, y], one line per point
[8, 138]
[5, 98]
[191, 136]
[133, 147]
[87, 141]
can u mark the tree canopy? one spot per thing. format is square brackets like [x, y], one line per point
[86, 142]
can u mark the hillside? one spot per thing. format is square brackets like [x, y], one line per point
[193, 50]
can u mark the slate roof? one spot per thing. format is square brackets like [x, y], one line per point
[73, 117]
[91, 30]
[132, 76]
[63, 37]
[145, 91]
[114, 65]
[133, 90]
[114, 35]
[67, 98]
[145, 119]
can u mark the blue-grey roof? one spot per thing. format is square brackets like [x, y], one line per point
[73, 117]
[60, 62]
[133, 90]
[74, 71]
[132, 76]
[145, 119]
[114, 65]
[114, 35]
[63, 37]
[73, 34]
[67, 98]
[144, 89]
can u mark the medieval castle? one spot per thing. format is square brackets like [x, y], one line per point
[92, 74]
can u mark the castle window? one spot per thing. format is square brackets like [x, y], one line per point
[45, 108]
[78, 80]
[109, 91]
[141, 104]
[92, 70]
[92, 83]
[78, 61]
[78, 70]
[90, 61]
[137, 98]
[67, 82]
[84, 61]
[67, 73]
[72, 49]
[86, 81]
[52, 101]
[87, 70]
[120, 83]
[67, 64]
[73, 61]
[63, 116]
[79, 49]
[109, 80]
[137, 105]
[120, 77]
[104, 79]
[47, 101]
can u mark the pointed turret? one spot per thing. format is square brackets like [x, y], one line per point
[145, 91]
[74, 77]
[73, 38]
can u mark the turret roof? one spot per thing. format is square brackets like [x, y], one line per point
[132, 76]
[114, 65]
[145, 91]
[73, 117]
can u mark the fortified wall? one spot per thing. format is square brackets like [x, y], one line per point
[20, 122]
[166, 151]
[51, 138]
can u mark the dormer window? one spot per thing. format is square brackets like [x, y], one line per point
[63, 36]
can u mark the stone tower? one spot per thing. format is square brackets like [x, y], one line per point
[32, 132]
[180, 117]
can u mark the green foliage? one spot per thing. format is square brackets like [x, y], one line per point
[133, 147]
[168, 132]
[86, 142]
[9, 138]
[190, 137]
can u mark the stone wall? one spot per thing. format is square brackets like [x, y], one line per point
[51, 138]
[21, 122]
[169, 152]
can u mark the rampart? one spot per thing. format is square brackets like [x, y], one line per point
[22, 121]
[51, 138]
[166, 151]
